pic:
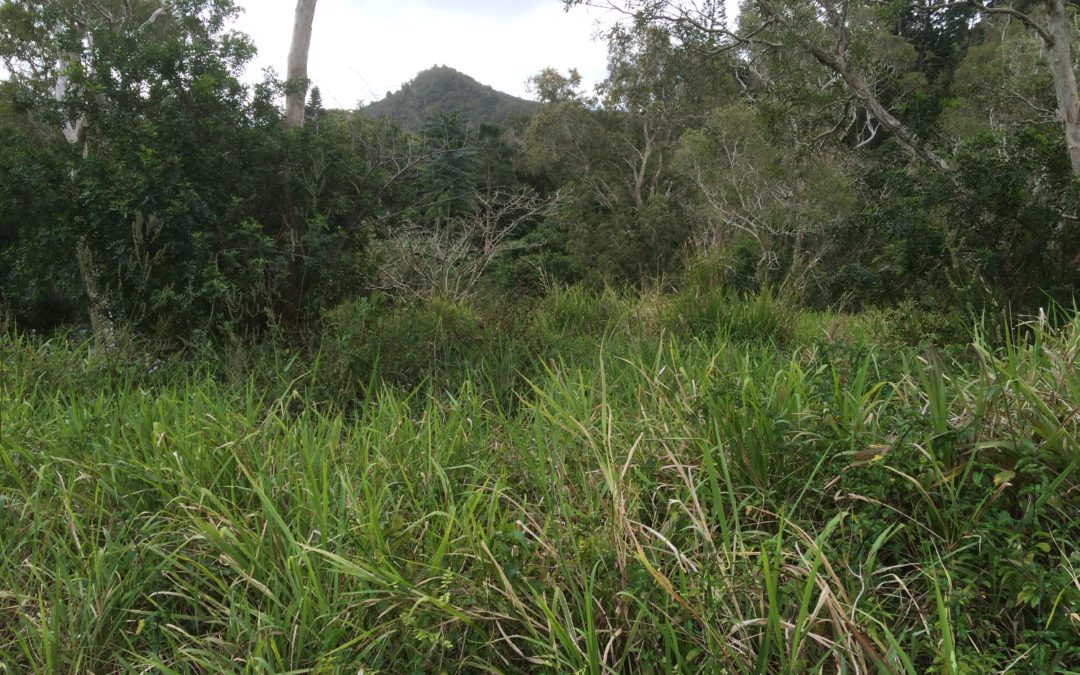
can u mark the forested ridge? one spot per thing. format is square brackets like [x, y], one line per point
[758, 356]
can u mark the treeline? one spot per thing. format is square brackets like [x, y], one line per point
[842, 153]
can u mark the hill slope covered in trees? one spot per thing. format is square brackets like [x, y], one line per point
[444, 89]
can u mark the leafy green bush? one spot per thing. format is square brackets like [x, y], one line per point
[915, 325]
[734, 268]
[628, 245]
[998, 232]
[193, 212]
[542, 262]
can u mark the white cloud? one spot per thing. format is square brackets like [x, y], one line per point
[363, 48]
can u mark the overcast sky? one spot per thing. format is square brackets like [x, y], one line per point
[362, 49]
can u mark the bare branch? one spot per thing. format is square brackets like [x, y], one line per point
[449, 261]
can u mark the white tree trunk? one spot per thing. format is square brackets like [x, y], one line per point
[73, 131]
[1061, 65]
[297, 72]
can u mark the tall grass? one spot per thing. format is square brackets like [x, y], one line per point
[653, 498]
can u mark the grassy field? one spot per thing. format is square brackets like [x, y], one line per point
[597, 484]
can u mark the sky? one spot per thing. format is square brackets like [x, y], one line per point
[362, 49]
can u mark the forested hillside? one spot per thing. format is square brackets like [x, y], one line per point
[758, 357]
[443, 89]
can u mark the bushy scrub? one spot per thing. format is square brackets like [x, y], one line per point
[542, 261]
[438, 343]
[732, 268]
[630, 245]
[995, 233]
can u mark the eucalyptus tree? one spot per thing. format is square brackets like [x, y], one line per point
[838, 34]
[829, 31]
[1001, 87]
[627, 216]
[1053, 21]
[296, 86]
[74, 58]
[757, 198]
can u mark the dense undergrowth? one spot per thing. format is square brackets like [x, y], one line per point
[596, 483]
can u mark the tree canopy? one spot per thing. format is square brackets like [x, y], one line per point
[859, 152]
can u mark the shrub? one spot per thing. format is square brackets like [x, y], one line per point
[997, 232]
[916, 325]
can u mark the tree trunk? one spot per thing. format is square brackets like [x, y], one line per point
[297, 71]
[1061, 65]
[73, 131]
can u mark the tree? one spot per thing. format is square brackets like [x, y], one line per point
[296, 74]
[552, 87]
[626, 216]
[143, 90]
[1058, 41]
[194, 210]
[759, 197]
[821, 28]
[58, 51]
[1001, 87]
[1054, 26]
[315, 109]
[449, 260]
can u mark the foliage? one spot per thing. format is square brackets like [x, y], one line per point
[1000, 86]
[543, 395]
[400, 347]
[751, 194]
[38, 285]
[710, 313]
[177, 205]
[451, 259]
[195, 211]
[997, 232]
[626, 219]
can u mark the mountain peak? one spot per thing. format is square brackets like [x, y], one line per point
[442, 88]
